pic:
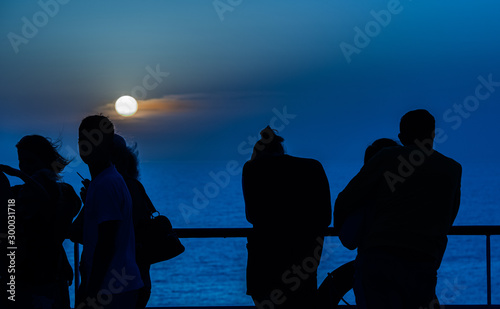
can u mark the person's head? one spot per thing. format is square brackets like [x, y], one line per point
[417, 126]
[95, 139]
[378, 145]
[125, 158]
[269, 144]
[36, 152]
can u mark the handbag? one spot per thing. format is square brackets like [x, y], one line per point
[156, 240]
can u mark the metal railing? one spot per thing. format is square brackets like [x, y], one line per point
[475, 230]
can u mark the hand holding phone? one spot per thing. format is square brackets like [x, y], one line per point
[83, 190]
[85, 182]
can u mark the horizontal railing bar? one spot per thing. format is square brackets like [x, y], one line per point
[339, 306]
[487, 230]
[475, 230]
[243, 232]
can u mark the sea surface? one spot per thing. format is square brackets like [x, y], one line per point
[212, 271]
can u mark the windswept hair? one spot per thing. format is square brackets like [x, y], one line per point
[125, 157]
[45, 149]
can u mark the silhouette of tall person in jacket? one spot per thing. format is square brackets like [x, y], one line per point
[414, 192]
[287, 200]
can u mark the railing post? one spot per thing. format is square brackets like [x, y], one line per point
[76, 255]
[488, 269]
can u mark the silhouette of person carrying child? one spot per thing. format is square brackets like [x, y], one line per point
[412, 193]
[287, 200]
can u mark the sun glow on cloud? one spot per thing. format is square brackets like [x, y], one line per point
[168, 105]
[200, 105]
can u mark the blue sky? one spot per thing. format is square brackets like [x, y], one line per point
[225, 68]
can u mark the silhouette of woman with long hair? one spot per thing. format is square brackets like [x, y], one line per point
[126, 162]
[46, 206]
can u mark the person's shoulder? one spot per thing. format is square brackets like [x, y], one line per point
[306, 162]
[262, 162]
[255, 168]
[108, 186]
[110, 175]
[298, 159]
[388, 154]
[310, 161]
[449, 162]
[45, 177]
[134, 185]
[393, 151]
[131, 181]
[248, 166]
[107, 180]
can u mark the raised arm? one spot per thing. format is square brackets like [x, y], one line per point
[33, 184]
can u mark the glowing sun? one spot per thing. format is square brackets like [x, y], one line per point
[126, 106]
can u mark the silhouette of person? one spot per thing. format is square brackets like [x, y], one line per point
[5, 196]
[45, 208]
[414, 195]
[125, 159]
[378, 145]
[355, 225]
[287, 200]
[126, 162]
[108, 263]
[341, 280]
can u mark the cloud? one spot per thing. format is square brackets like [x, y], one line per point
[152, 108]
[192, 104]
